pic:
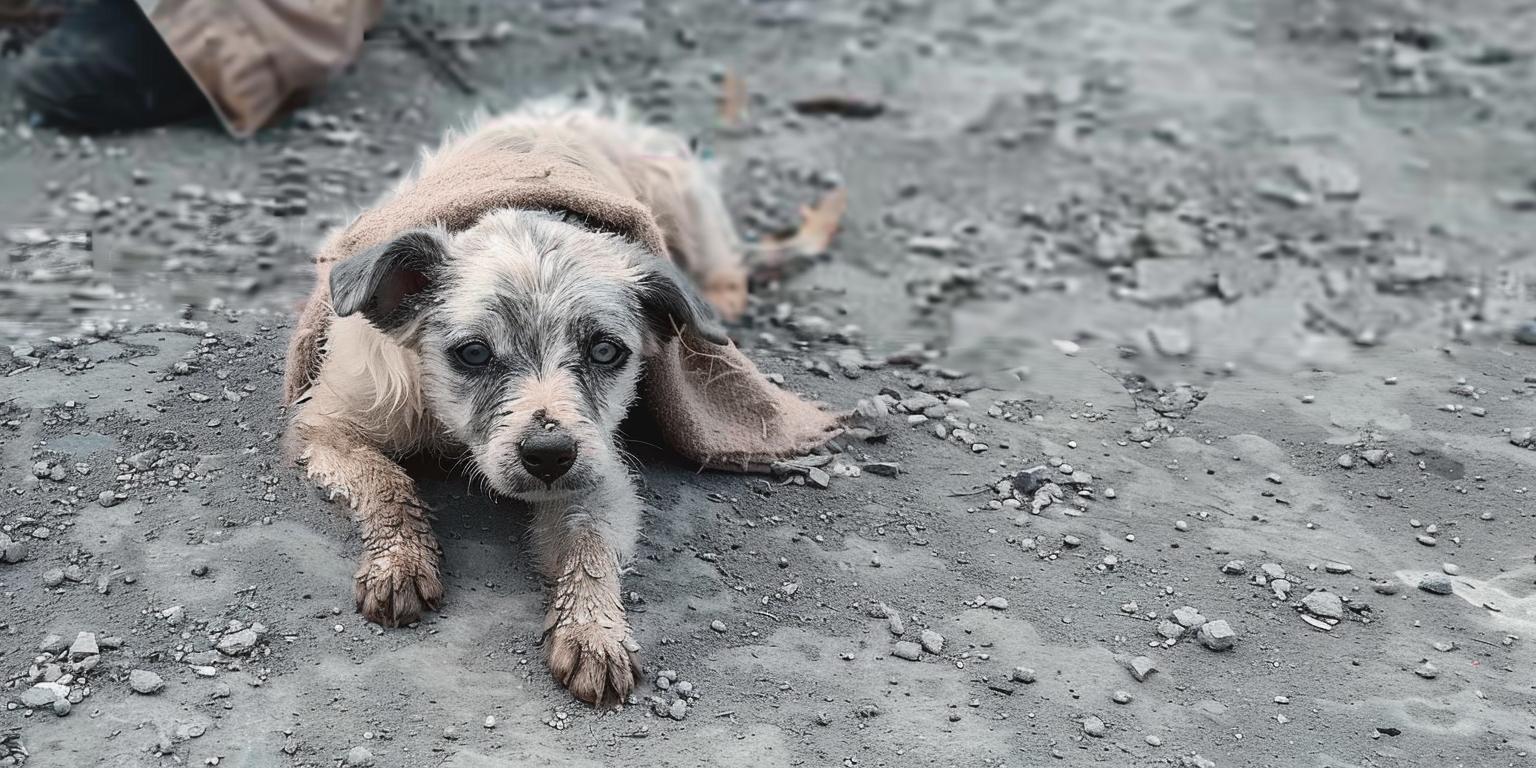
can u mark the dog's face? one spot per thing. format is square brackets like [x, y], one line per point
[531, 333]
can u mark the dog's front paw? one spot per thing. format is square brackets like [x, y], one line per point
[395, 586]
[597, 664]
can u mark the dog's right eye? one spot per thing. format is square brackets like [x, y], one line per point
[473, 353]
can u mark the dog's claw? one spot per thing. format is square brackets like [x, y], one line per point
[393, 590]
[595, 663]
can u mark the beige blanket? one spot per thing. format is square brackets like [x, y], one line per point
[710, 402]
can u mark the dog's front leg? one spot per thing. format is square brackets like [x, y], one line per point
[398, 577]
[582, 545]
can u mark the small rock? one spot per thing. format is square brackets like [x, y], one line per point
[1094, 727]
[1141, 668]
[1217, 635]
[1436, 583]
[238, 643]
[1188, 617]
[84, 645]
[1451, 569]
[998, 603]
[678, 710]
[11, 551]
[1170, 629]
[1525, 333]
[1324, 604]
[1427, 671]
[717, 625]
[43, 695]
[1234, 568]
[933, 642]
[145, 682]
[818, 477]
[906, 649]
[53, 577]
[359, 757]
[1121, 697]
[1025, 483]
[1023, 675]
[1282, 588]
[1329, 177]
[1171, 342]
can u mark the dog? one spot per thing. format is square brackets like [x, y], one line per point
[518, 337]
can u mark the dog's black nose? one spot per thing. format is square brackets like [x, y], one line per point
[548, 455]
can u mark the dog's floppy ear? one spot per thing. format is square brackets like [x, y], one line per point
[388, 282]
[671, 304]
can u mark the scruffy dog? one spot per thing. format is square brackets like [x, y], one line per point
[508, 304]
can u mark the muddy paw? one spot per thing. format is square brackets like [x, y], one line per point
[596, 664]
[727, 293]
[394, 588]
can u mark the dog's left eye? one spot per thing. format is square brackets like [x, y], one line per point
[605, 353]
[473, 353]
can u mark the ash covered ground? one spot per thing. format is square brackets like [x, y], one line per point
[1189, 344]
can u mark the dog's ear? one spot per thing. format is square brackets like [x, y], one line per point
[671, 304]
[388, 283]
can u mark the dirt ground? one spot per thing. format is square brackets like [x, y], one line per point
[1242, 282]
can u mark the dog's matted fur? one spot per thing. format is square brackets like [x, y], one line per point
[509, 303]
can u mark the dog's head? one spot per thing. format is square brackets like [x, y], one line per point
[531, 333]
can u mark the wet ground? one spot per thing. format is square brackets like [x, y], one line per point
[1238, 287]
